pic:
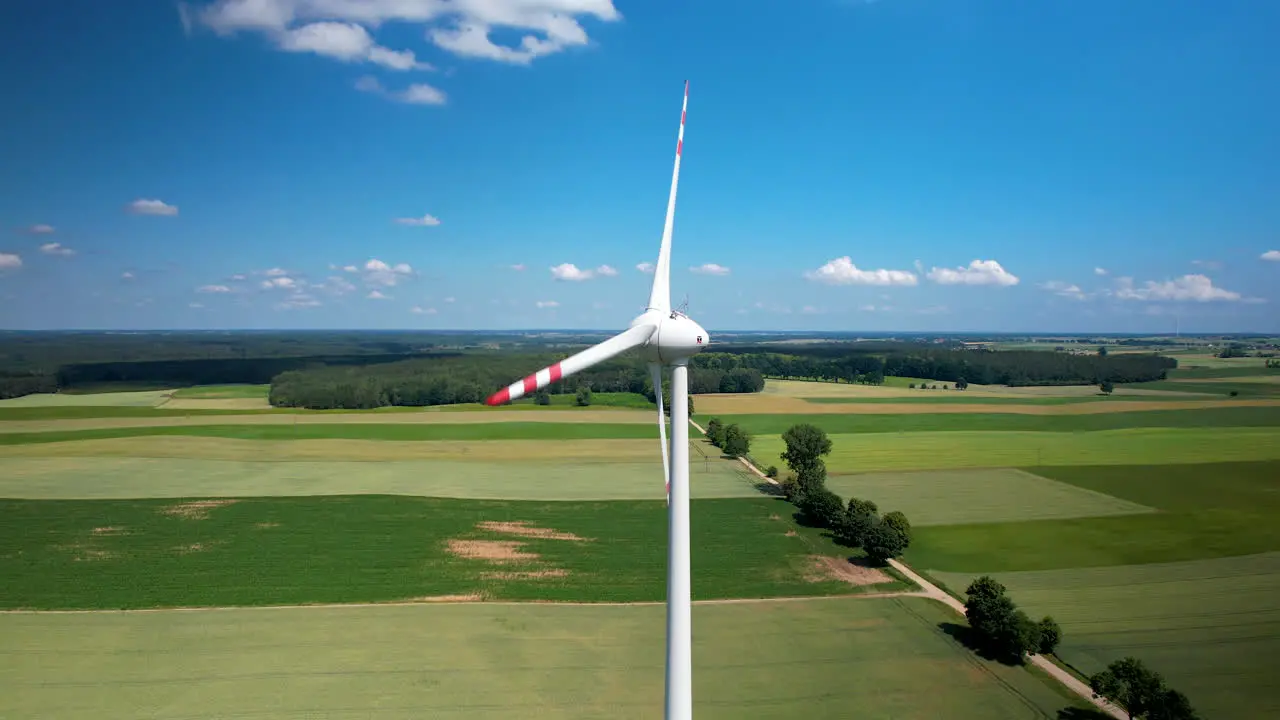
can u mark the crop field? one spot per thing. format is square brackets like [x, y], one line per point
[885, 657]
[78, 554]
[1210, 626]
[223, 392]
[955, 497]
[141, 398]
[614, 470]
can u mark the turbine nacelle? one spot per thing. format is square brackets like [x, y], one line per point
[676, 337]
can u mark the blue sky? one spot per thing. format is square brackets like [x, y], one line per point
[996, 165]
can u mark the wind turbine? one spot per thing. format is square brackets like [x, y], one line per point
[666, 337]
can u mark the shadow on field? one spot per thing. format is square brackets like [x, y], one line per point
[1072, 713]
[965, 635]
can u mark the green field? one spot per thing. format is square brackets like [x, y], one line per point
[1210, 626]
[137, 477]
[959, 398]
[963, 449]
[223, 392]
[1214, 417]
[284, 551]
[136, 398]
[1206, 511]
[887, 658]
[953, 497]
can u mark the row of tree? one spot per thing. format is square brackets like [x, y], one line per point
[1001, 629]
[731, 439]
[1141, 692]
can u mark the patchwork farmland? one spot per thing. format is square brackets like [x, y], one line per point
[477, 562]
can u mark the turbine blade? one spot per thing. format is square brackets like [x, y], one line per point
[655, 371]
[660, 295]
[574, 363]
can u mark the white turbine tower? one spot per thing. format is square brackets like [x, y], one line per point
[666, 337]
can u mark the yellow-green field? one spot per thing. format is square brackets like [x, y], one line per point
[887, 658]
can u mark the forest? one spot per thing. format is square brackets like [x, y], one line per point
[354, 369]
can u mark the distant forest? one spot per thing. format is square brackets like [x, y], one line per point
[369, 369]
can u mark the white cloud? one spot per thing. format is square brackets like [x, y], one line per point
[287, 283]
[451, 299]
[213, 289]
[1057, 287]
[1272, 255]
[645, 267]
[143, 206]
[547, 304]
[56, 249]
[709, 269]
[606, 271]
[377, 295]
[347, 42]
[126, 275]
[979, 272]
[237, 277]
[377, 272]
[414, 94]
[570, 272]
[275, 272]
[1210, 264]
[10, 261]
[842, 271]
[417, 310]
[297, 301]
[195, 305]
[338, 285]
[1099, 271]
[424, 221]
[518, 267]
[350, 268]
[1198, 288]
[40, 229]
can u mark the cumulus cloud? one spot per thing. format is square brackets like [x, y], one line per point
[298, 301]
[1272, 255]
[195, 305]
[451, 299]
[1099, 271]
[414, 94]
[282, 282]
[606, 271]
[978, 272]
[212, 288]
[547, 304]
[377, 295]
[645, 267]
[424, 221]
[1057, 287]
[377, 272]
[338, 285]
[40, 229]
[126, 275]
[344, 29]
[419, 310]
[1197, 288]
[56, 249]
[518, 267]
[143, 206]
[709, 269]
[10, 261]
[571, 273]
[842, 271]
[275, 272]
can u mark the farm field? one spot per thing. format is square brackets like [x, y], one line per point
[886, 657]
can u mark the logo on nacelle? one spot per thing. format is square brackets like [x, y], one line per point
[699, 339]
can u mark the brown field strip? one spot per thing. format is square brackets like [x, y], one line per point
[811, 389]
[215, 404]
[625, 416]
[211, 448]
[782, 405]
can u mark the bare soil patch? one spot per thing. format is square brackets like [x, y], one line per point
[524, 529]
[188, 549]
[527, 574]
[823, 568]
[109, 530]
[196, 509]
[86, 553]
[267, 525]
[498, 552]
[791, 533]
[467, 597]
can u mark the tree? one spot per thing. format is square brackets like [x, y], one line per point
[859, 517]
[806, 444]
[772, 472]
[884, 541]
[715, 432]
[737, 442]
[542, 397]
[1050, 636]
[912, 386]
[962, 384]
[1102, 350]
[1000, 627]
[1172, 705]
[898, 521]
[1107, 387]
[584, 396]
[823, 508]
[1129, 684]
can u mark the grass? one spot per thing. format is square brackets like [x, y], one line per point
[1217, 417]
[403, 432]
[874, 452]
[486, 476]
[1216, 387]
[133, 398]
[932, 398]
[275, 551]
[1209, 626]
[1206, 511]
[223, 392]
[952, 497]
[886, 658]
